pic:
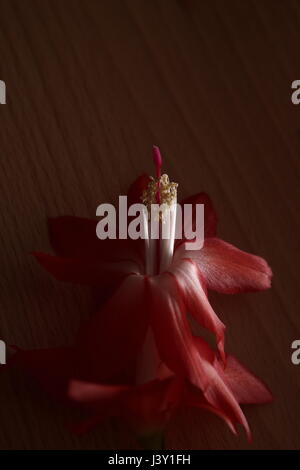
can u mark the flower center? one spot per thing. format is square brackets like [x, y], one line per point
[160, 198]
[161, 187]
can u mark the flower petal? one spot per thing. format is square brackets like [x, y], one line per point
[194, 398]
[246, 387]
[102, 402]
[151, 405]
[179, 350]
[210, 216]
[193, 294]
[218, 406]
[75, 237]
[227, 269]
[86, 271]
[109, 343]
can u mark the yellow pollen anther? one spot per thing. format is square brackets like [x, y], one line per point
[167, 191]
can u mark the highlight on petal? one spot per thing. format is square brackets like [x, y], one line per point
[94, 393]
[246, 387]
[227, 269]
[102, 401]
[192, 291]
[210, 216]
[86, 271]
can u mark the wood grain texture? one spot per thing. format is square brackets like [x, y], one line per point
[91, 85]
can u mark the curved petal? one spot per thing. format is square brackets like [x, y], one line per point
[108, 345]
[103, 402]
[210, 216]
[86, 271]
[246, 387]
[218, 406]
[227, 269]
[179, 351]
[196, 399]
[193, 294]
[151, 405]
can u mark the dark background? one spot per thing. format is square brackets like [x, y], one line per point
[91, 85]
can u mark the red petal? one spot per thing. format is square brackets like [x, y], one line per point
[75, 237]
[193, 295]
[195, 398]
[151, 405]
[109, 344]
[103, 401]
[210, 216]
[136, 189]
[179, 350]
[245, 386]
[229, 270]
[86, 271]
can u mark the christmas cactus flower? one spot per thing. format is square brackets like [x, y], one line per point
[137, 357]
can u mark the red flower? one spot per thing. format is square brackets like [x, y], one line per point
[137, 356]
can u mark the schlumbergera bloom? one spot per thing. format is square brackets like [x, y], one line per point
[137, 356]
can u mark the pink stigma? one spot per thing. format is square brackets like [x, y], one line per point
[157, 160]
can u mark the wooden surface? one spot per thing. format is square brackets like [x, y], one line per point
[91, 85]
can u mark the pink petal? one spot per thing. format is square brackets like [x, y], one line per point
[193, 294]
[100, 400]
[194, 398]
[179, 351]
[227, 269]
[245, 386]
